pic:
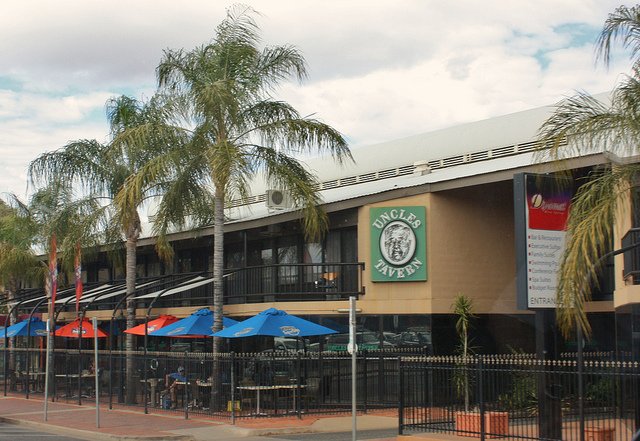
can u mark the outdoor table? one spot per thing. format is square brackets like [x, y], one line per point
[257, 389]
[153, 390]
[73, 376]
[35, 378]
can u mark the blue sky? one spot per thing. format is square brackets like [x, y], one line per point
[378, 70]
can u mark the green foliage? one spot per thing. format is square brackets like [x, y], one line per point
[523, 389]
[582, 125]
[219, 127]
[463, 309]
[601, 391]
[18, 238]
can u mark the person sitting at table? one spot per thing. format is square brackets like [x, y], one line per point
[171, 381]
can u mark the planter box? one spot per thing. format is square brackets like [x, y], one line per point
[495, 423]
[437, 413]
[599, 433]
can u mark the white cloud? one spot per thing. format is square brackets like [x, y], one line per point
[379, 70]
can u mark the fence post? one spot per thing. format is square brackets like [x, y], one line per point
[401, 397]
[186, 386]
[233, 389]
[480, 395]
[298, 408]
[365, 388]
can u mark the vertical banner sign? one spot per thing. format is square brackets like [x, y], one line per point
[78, 272]
[398, 244]
[542, 204]
[53, 272]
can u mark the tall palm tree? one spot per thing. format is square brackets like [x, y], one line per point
[589, 125]
[102, 170]
[233, 129]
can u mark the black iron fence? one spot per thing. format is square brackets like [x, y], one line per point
[227, 386]
[519, 397]
[491, 396]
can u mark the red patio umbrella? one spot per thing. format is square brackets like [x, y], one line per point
[73, 330]
[153, 325]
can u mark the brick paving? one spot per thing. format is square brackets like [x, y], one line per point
[80, 421]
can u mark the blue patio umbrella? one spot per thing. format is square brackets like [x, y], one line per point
[38, 328]
[276, 323]
[198, 324]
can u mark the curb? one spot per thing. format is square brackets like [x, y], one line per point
[245, 432]
[89, 435]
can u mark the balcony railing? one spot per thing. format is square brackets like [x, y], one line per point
[257, 284]
[293, 282]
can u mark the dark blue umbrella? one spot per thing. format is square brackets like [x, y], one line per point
[276, 323]
[38, 328]
[198, 324]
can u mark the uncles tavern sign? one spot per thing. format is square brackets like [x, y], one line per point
[398, 244]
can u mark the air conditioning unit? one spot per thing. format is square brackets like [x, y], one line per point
[278, 199]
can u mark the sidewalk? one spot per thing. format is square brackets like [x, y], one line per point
[80, 422]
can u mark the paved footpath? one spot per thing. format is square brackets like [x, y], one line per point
[80, 422]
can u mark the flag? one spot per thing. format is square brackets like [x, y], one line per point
[78, 271]
[53, 272]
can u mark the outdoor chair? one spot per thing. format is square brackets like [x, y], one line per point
[15, 381]
[281, 397]
[247, 397]
[310, 392]
[105, 380]
[328, 281]
[194, 393]
[329, 284]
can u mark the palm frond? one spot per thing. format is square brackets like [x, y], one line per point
[590, 232]
[623, 25]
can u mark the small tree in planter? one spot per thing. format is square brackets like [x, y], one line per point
[469, 423]
[463, 309]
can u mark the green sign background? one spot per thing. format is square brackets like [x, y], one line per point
[398, 244]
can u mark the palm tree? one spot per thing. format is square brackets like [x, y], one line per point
[26, 228]
[231, 129]
[102, 171]
[588, 125]
[19, 263]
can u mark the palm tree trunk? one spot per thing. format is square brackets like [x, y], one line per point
[133, 232]
[12, 320]
[218, 292]
[218, 261]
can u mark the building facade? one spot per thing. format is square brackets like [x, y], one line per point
[413, 223]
